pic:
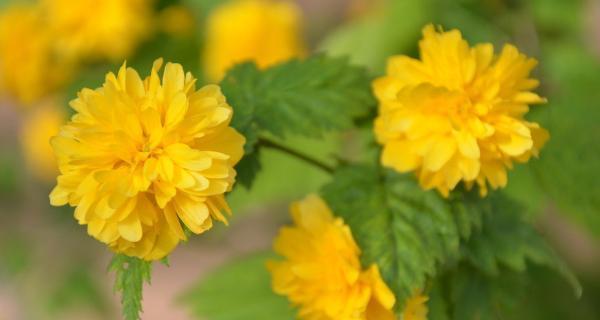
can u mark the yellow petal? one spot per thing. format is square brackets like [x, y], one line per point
[131, 228]
[467, 144]
[227, 141]
[400, 156]
[440, 153]
[173, 221]
[193, 214]
[188, 158]
[176, 110]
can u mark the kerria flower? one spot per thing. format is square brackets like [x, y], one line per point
[140, 156]
[458, 113]
[264, 31]
[321, 272]
[96, 29]
[415, 308]
[29, 67]
[41, 124]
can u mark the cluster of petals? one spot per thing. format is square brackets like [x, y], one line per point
[457, 114]
[321, 272]
[141, 156]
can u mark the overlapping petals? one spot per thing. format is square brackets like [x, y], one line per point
[321, 272]
[457, 114]
[141, 156]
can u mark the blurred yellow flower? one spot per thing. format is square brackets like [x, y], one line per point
[415, 308]
[29, 68]
[38, 127]
[458, 113]
[264, 31]
[321, 273]
[95, 29]
[139, 156]
[176, 20]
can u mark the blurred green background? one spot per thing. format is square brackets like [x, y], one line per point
[51, 269]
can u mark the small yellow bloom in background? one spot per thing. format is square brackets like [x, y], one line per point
[98, 29]
[177, 20]
[264, 31]
[29, 68]
[458, 113]
[321, 273]
[41, 124]
[141, 156]
[415, 308]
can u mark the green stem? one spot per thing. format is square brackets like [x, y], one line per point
[262, 142]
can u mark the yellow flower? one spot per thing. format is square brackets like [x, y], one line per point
[415, 308]
[321, 273]
[93, 29]
[139, 156]
[38, 127]
[265, 31]
[29, 68]
[458, 113]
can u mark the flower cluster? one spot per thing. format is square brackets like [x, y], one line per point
[29, 66]
[321, 273]
[139, 156]
[61, 35]
[458, 113]
[98, 29]
[264, 31]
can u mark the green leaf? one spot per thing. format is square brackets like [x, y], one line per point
[305, 97]
[130, 275]
[238, 291]
[408, 232]
[507, 240]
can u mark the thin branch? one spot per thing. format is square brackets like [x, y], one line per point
[263, 142]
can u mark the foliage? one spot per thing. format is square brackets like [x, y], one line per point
[507, 240]
[238, 291]
[410, 234]
[302, 97]
[406, 231]
[475, 258]
[130, 275]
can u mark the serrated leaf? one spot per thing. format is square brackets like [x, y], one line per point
[305, 97]
[408, 232]
[240, 290]
[507, 240]
[130, 275]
